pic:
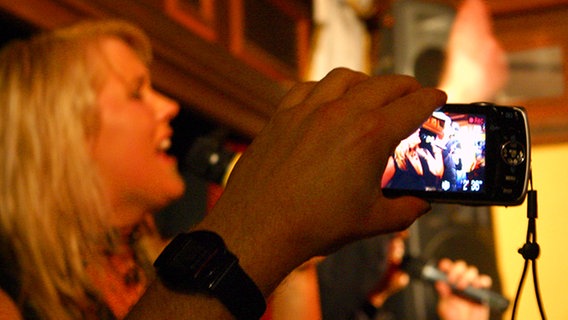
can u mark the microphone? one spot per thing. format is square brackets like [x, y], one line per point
[418, 269]
[209, 159]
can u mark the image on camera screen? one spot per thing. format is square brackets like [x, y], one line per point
[446, 154]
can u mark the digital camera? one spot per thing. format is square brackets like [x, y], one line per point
[471, 154]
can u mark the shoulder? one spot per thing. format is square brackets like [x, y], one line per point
[8, 308]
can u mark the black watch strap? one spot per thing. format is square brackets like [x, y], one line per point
[240, 294]
[199, 262]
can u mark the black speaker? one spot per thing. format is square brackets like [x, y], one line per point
[455, 232]
[413, 38]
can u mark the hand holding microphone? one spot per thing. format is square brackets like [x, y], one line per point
[455, 277]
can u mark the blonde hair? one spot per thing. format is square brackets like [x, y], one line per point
[53, 214]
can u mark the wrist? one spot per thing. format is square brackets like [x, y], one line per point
[265, 255]
[199, 262]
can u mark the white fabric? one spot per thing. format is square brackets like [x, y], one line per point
[340, 39]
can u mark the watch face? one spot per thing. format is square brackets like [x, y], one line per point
[195, 261]
[199, 262]
[194, 255]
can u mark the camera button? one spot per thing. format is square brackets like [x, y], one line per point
[513, 153]
[507, 191]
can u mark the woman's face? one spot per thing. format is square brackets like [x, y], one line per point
[134, 136]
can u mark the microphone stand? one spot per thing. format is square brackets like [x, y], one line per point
[530, 252]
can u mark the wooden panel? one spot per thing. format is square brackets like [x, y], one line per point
[271, 35]
[201, 75]
[43, 14]
[197, 15]
[500, 7]
[548, 116]
[509, 6]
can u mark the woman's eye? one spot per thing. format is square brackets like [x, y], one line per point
[136, 94]
[140, 89]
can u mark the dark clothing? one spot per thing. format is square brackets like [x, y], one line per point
[347, 276]
[407, 179]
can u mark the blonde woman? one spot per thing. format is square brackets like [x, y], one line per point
[84, 139]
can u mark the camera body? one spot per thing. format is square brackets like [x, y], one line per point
[471, 154]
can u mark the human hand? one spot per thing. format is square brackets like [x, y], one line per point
[476, 65]
[461, 275]
[310, 181]
[393, 279]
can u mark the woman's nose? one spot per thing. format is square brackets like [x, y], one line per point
[166, 107]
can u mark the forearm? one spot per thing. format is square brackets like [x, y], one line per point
[258, 256]
[266, 254]
[161, 303]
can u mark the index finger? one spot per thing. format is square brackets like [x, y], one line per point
[410, 111]
[313, 94]
[381, 90]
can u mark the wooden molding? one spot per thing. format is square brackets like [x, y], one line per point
[548, 116]
[199, 19]
[201, 75]
[262, 59]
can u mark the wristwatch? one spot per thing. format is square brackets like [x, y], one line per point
[199, 262]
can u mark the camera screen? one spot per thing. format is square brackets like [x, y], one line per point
[446, 154]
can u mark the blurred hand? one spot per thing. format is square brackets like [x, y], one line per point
[394, 279]
[461, 275]
[476, 65]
